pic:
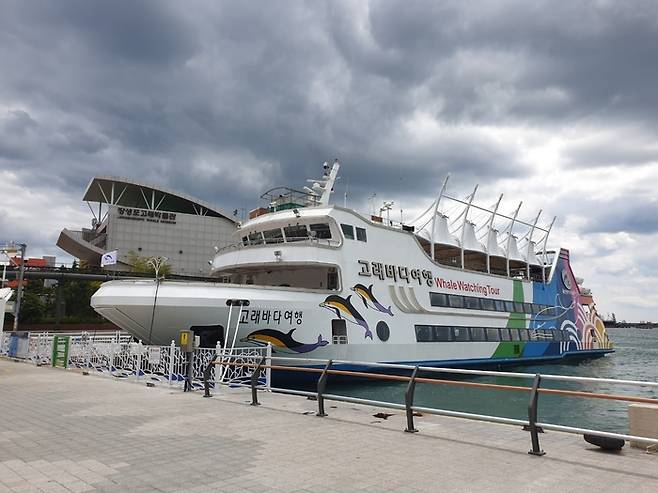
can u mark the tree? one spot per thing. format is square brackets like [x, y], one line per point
[143, 266]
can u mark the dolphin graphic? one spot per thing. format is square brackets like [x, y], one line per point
[282, 340]
[365, 293]
[343, 308]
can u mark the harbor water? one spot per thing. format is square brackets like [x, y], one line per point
[635, 358]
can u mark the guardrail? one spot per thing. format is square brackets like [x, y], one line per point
[117, 356]
[325, 368]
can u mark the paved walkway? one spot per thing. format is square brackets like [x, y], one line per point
[62, 431]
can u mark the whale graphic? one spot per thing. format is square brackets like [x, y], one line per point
[282, 340]
[343, 308]
[365, 293]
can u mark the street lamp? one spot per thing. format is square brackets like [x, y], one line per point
[156, 263]
[14, 248]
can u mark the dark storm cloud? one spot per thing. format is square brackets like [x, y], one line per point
[165, 91]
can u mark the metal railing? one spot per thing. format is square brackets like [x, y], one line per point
[326, 368]
[115, 355]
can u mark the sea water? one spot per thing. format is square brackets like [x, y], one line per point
[635, 358]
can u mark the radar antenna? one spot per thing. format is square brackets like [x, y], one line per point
[324, 187]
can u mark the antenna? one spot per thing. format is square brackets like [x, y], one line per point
[371, 199]
[387, 206]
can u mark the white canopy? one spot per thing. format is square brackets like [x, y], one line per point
[492, 244]
[442, 235]
[470, 241]
[532, 258]
[513, 251]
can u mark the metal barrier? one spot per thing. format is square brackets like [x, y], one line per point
[117, 356]
[531, 424]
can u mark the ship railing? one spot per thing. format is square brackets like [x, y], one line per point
[415, 374]
[280, 241]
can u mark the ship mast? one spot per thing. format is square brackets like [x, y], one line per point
[325, 186]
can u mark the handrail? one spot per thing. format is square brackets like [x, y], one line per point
[438, 381]
[462, 371]
[531, 424]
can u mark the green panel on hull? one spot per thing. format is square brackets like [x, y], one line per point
[517, 320]
[517, 294]
[509, 350]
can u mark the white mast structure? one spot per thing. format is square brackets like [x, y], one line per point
[324, 187]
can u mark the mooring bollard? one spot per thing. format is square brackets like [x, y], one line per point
[322, 384]
[206, 376]
[532, 418]
[409, 402]
[254, 382]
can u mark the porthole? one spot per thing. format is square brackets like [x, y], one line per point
[383, 332]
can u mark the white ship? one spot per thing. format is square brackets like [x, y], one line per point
[317, 280]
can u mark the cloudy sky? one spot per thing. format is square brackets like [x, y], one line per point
[552, 103]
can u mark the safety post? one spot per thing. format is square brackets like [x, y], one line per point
[206, 376]
[172, 355]
[322, 385]
[409, 402]
[532, 418]
[254, 382]
[139, 360]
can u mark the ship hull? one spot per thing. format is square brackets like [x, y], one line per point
[302, 324]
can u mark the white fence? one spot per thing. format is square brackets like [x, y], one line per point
[117, 356]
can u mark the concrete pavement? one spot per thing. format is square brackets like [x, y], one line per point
[61, 431]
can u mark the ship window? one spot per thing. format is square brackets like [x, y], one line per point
[518, 307]
[536, 308]
[338, 331]
[321, 231]
[478, 334]
[438, 299]
[423, 333]
[245, 240]
[273, 235]
[504, 335]
[471, 303]
[488, 304]
[456, 301]
[500, 305]
[557, 335]
[442, 334]
[527, 307]
[524, 334]
[460, 334]
[348, 231]
[515, 334]
[296, 233]
[509, 306]
[492, 335]
[332, 280]
[361, 234]
[255, 238]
